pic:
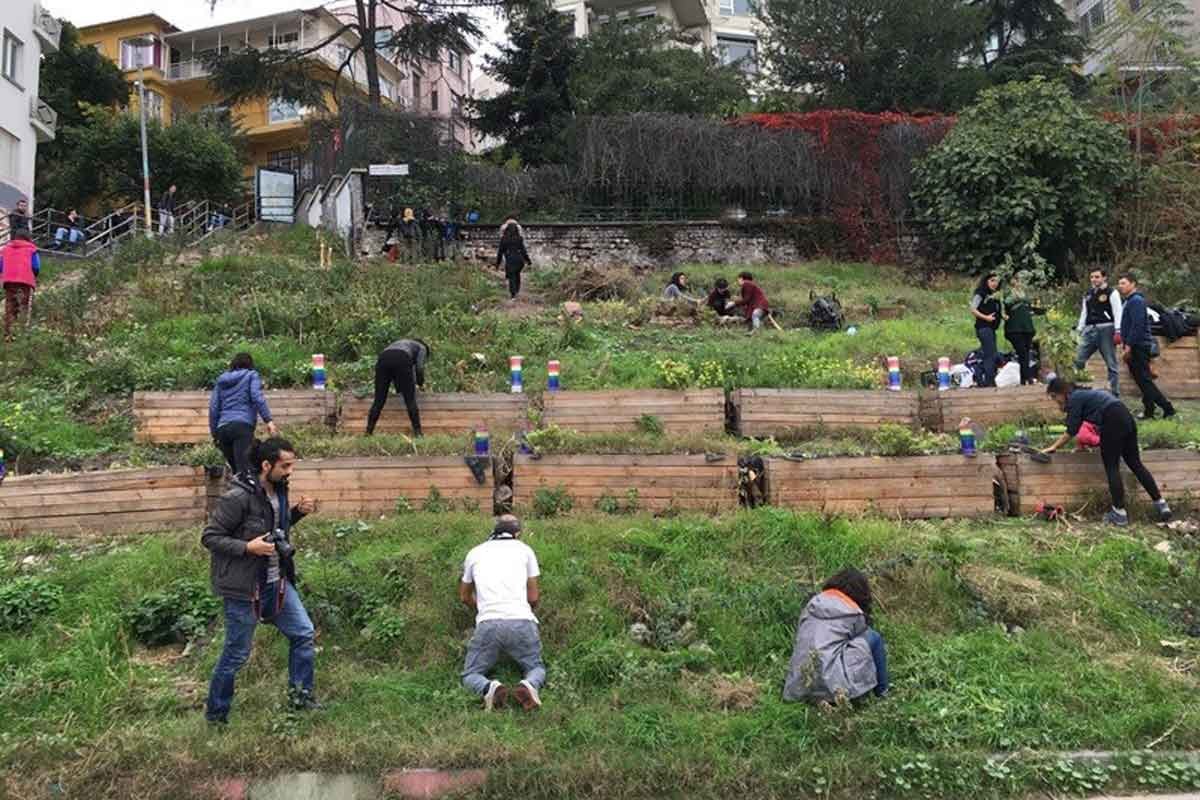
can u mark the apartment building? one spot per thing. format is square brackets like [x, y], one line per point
[1092, 15]
[171, 63]
[726, 26]
[435, 86]
[28, 31]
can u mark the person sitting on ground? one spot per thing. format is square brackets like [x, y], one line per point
[985, 308]
[1118, 440]
[837, 653]
[236, 403]
[500, 582]
[19, 268]
[720, 301]
[71, 233]
[514, 255]
[677, 289]
[401, 364]
[753, 301]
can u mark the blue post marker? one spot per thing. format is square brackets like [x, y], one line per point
[552, 376]
[943, 374]
[318, 370]
[966, 438]
[482, 441]
[3, 469]
[514, 369]
[893, 363]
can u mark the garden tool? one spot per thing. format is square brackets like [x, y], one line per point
[1032, 452]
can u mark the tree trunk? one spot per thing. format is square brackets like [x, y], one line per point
[366, 25]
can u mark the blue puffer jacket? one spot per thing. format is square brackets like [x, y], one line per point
[237, 397]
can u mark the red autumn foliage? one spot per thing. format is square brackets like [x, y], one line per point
[871, 157]
[1158, 133]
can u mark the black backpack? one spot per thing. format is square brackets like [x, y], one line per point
[825, 314]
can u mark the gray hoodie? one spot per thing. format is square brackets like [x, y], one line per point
[831, 653]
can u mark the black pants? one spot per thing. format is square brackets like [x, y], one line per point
[1118, 440]
[395, 368]
[1023, 343]
[514, 280]
[1152, 396]
[987, 346]
[235, 439]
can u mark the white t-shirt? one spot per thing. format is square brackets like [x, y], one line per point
[499, 568]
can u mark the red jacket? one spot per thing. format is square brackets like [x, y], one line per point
[753, 297]
[19, 263]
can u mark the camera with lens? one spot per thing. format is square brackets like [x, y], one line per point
[283, 547]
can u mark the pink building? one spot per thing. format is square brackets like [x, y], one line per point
[437, 88]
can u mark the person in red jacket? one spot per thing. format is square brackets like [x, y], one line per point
[753, 301]
[19, 267]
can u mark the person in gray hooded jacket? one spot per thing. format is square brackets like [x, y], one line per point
[401, 364]
[837, 654]
[236, 403]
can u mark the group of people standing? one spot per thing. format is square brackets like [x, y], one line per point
[410, 237]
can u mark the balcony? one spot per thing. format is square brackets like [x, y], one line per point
[47, 28]
[43, 118]
[187, 70]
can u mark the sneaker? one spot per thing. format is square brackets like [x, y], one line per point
[527, 695]
[497, 693]
[1164, 510]
[303, 700]
[1118, 518]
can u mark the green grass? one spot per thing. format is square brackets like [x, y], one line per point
[699, 715]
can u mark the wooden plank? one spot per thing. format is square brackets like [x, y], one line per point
[1178, 368]
[182, 417]
[774, 412]
[440, 413]
[1072, 477]
[609, 411]
[944, 410]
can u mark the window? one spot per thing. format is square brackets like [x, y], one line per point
[416, 92]
[1096, 16]
[282, 111]
[455, 103]
[10, 155]
[283, 159]
[455, 61]
[742, 52]
[433, 100]
[284, 41]
[134, 56]
[383, 38]
[154, 106]
[387, 88]
[14, 52]
[735, 8]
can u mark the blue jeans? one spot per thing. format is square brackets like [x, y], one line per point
[240, 623]
[879, 654]
[516, 638]
[1096, 337]
[987, 343]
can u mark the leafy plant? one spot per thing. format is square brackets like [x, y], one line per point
[551, 502]
[436, 503]
[649, 423]
[176, 614]
[674, 374]
[23, 601]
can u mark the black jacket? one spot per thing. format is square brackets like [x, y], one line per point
[244, 513]
[167, 202]
[513, 254]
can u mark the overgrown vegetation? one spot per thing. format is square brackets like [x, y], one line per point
[666, 641]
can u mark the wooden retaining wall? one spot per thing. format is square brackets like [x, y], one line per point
[1177, 365]
[911, 487]
[602, 412]
[182, 417]
[449, 413]
[685, 482]
[1071, 478]
[360, 486]
[104, 502]
[777, 412]
[942, 411]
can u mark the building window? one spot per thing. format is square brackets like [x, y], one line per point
[433, 100]
[736, 8]
[283, 159]
[284, 41]
[134, 56]
[383, 45]
[455, 61]
[740, 52]
[10, 155]
[387, 89]
[416, 92]
[154, 106]
[282, 111]
[455, 103]
[14, 52]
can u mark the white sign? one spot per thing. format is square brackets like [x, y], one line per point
[388, 169]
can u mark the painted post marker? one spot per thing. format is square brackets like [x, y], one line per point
[318, 370]
[514, 369]
[482, 442]
[943, 374]
[966, 438]
[893, 364]
[552, 376]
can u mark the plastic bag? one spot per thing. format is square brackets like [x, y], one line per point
[1009, 375]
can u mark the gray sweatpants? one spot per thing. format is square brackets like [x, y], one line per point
[516, 638]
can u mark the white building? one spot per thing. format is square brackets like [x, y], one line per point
[1092, 15]
[725, 26]
[28, 31]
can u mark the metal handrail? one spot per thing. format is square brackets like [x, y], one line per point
[186, 70]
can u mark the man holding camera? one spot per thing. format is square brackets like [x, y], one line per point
[253, 573]
[500, 582]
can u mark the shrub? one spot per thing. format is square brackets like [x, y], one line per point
[176, 614]
[897, 440]
[24, 600]
[648, 423]
[550, 502]
[674, 374]
[1025, 155]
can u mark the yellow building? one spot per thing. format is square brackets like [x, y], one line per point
[171, 63]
